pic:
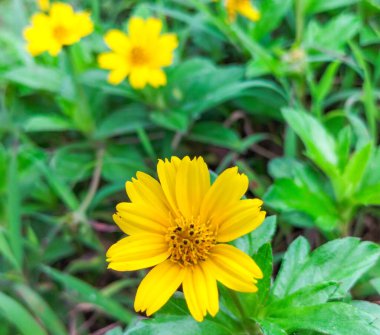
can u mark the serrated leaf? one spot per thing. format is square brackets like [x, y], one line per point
[334, 318]
[343, 260]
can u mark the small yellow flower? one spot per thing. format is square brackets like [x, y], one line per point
[60, 27]
[242, 7]
[181, 226]
[43, 5]
[141, 54]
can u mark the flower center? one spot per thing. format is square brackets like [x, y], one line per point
[190, 241]
[60, 33]
[139, 56]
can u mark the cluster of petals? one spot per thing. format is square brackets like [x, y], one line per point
[60, 26]
[181, 226]
[139, 55]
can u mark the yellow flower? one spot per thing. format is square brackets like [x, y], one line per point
[181, 226]
[60, 27]
[43, 5]
[141, 54]
[242, 7]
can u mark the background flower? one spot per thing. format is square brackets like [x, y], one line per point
[61, 26]
[140, 55]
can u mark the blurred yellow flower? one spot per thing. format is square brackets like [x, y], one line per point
[61, 26]
[181, 226]
[242, 7]
[141, 54]
[43, 5]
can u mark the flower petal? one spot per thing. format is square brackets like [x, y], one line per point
[137, 252]
[229, 187]
[157, 78]
[148, 191]
[158, 286]
[166, 44]
[233, 268]
[112, 60]
[137, 218]
[137, 30]
[167, 171]
[240, 219]
[117, 41]
[153, 28]
[117, 76]
[201, 292]
[139, 77]
[192, 183]
[245, 8]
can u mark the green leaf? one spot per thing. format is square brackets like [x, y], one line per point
[20, 317]
[173, 120]
[373, 311]
[294, 258]
[86, 293]
[272, 12]
[343, 260]
[169, 325]
[317, 205]
[216, 134]
[253, 241]
[320, 145]
[14, 224]
[316, 6]
[50, 320]
[376, 284]
[36, 77]
[307, 296]
[124, 121]
[332, 35]
[354, 171]
[47, 122]
[270, 328]
[334, 318]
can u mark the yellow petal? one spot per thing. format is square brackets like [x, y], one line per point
[246, 9]
[112, 60]
[137, 252]
[117, 76]
[166, 45]
[146, 190]
[153, 28]
[136, 218]
[117, 41]
[61, 13]
[233, 268]
[83, 24]
[157, 78]
[212, 290]
[139, 77]
[158, 286]
[194, 291]
[167, 171]
[43, 4]
[192, 183]
[229, 187]
[240, 219]
[201, 292]
[136, 29]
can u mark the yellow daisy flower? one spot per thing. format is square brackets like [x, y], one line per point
[141, 54]
[61, 26]
[181, 225]
[242, 7]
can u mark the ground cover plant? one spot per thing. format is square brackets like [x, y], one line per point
[202, 167]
